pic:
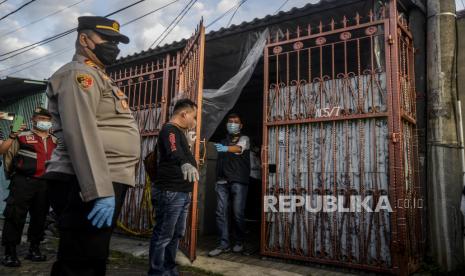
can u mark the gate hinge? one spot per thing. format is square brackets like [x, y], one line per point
[395, 137]
[390, 40]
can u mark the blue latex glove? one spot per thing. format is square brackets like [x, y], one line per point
[102, 213]
[221, 148]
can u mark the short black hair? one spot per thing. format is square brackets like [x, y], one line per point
[234, 115]
[183, 104]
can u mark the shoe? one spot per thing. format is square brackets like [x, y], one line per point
[218, 251]
[35, 255]
[10, 259]
[238, 248]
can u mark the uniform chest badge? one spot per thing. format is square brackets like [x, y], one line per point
[85, 81]
[124, 104]
[30, 139]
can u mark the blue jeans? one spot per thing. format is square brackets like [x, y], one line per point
[236, 194]
[171, 209]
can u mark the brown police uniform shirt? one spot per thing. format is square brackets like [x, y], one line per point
[98, 138]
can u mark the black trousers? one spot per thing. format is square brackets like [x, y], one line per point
[83, 249]
[26, 195]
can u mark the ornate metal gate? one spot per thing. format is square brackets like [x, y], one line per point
[149, 87]
[339, 120]
[152, 89]
[191, 86]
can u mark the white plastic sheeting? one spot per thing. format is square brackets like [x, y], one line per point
[217, 102]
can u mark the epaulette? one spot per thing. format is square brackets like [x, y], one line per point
[101, 72]
[90, 63]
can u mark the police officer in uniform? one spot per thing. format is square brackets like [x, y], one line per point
[98, 149]
[25, 165]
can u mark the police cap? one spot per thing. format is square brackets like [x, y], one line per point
[41, 111]
[103, 26]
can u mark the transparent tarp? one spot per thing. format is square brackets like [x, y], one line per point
[217, 102]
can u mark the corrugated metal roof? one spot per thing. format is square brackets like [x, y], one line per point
[256, 23]
[12, 88]
[282, 16]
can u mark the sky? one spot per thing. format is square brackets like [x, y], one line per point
[142, 32]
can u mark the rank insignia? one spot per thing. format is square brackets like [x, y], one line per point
[85, 81]
[115, 26]
[90, 63]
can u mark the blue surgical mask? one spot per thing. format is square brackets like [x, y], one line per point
[233, 128]
[43, 125]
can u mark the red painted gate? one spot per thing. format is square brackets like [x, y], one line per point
[152, 89]
[339, 120]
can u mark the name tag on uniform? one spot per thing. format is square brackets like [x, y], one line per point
[30, 139]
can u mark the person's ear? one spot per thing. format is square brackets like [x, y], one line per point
[83, 40]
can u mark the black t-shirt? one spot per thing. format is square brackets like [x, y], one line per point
[173, 152]
[234, 167]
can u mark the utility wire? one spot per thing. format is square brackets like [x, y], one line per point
[36, 59]
[55, 37]
[52, 54]
[280, 7]
[232, 16]
[34, 64]
[179, 20]
[225, 13]
[149, 13]
[173, 23]
[43, 42]
[42, 18]
[17, 10]
[124, 8]
[3, 1]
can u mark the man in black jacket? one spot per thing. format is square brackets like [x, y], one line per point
[233, 170]
[171, 193]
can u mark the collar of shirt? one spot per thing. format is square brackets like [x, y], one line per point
[35, 134]
[87, 61]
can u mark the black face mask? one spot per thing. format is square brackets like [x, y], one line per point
[106, 52]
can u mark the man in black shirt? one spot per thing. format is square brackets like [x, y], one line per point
[232, 173]
[171, 193]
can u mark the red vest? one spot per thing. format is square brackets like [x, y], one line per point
[33, 153]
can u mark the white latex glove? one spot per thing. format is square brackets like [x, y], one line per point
[189, 172]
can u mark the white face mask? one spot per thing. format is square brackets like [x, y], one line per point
[43, 125]
[233, 128]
